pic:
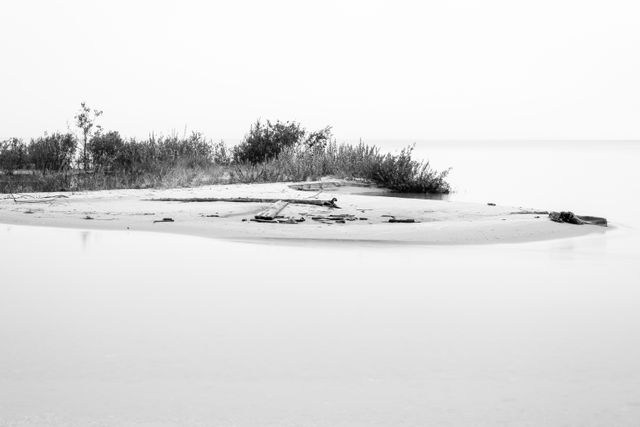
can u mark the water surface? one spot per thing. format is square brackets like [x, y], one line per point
[123, 328]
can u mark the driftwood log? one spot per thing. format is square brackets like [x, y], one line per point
[402, 220]
[272, 211]
[317, 202]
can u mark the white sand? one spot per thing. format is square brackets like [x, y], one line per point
[438, 222]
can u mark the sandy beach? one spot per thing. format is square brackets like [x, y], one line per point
[436, 221]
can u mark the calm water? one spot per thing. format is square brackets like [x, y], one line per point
[602, 178]
[117, 328]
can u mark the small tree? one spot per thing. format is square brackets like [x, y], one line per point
[86, 121]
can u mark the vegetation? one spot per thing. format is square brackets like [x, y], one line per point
[280, 151]
[86, 122]
[266, 141]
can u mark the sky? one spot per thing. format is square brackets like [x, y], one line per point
[371, 69]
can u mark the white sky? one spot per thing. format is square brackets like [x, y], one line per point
[372, 69]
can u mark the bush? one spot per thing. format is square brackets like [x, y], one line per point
[271, 152]
[403, 174]
[221, 154]
[265, 142]
[13, 155]
[104, 149]
[52, 153]
[398, 172]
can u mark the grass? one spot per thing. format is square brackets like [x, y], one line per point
[193, 161]
[398, 172]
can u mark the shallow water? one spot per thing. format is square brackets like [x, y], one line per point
[122, 328]
[589, 178]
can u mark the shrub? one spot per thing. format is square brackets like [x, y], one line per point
[398, 172]
[221, 154]
[52, 153]
[281, 151]
[403, 174]
[13, 155]
[265, 141]
[104, 149]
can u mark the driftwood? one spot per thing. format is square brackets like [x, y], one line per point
[336, 218]
[529, 213]
[317, 202]
[272, 211]
[572, 218]
[164, 220]
[45, 199]
[394, 220]
[278, 220]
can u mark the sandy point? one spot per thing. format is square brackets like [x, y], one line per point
[363, 215]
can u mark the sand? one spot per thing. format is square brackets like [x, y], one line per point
[437, 221]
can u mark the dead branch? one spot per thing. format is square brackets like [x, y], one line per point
[329, 203]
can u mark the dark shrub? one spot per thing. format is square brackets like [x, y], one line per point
[265, 141]
[104, 149]
[401, 173]
[53, 152]
[13, 155]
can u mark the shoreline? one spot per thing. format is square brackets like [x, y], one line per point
[438, 222]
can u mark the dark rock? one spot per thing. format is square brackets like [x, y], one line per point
[571, 218]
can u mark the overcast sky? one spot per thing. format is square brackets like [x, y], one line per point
[371, 69]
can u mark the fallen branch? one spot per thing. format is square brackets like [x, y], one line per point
[45, 199]
[329, 203]
[529, 213]
[402, 220]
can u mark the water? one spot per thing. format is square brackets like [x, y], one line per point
[123, 328]
[601, 178]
